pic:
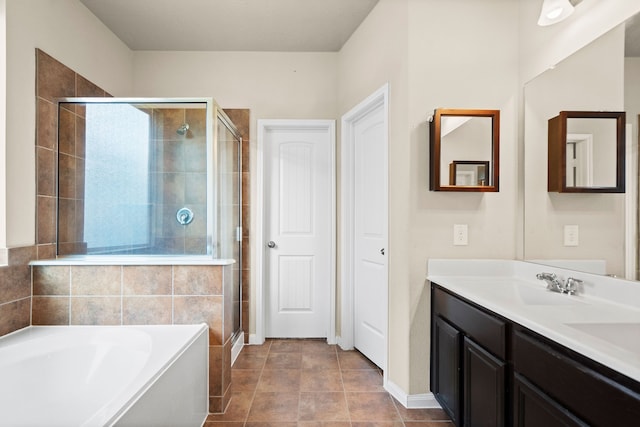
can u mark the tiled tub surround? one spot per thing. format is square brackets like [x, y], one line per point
[164, 291]
[84, 364]
[15, 290]
[510, 289]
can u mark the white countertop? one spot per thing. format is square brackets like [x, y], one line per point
[602, 322]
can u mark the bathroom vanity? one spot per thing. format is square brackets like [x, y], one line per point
[506, 351]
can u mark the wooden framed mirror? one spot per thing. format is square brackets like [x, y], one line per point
[586, 152]
[464, 150]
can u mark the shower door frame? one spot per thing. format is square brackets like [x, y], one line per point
[228, 123]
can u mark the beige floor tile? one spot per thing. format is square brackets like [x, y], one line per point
[323, 406]
[362, 380]
[354, 360]
[274, 407]
[279, 380]
[245, 379]
[367, 406]
[320, 361]
[321, 380]
[285, 346]
[283, 361]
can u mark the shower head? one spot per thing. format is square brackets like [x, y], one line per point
[183, 129]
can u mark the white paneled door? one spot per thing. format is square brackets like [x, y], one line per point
[299, 212]
[370, 235]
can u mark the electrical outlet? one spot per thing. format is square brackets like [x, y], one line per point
[571, 237]
[460, 235]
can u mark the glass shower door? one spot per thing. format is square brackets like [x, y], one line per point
[229, 229]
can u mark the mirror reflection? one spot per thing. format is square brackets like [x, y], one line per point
[598, 77]
[468, 173]
[591, 152]
[587, 152]
[464, 150]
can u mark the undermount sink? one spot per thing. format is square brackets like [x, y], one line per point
[540, 296]
[623, 335]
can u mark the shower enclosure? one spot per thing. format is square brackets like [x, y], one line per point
[149, 177]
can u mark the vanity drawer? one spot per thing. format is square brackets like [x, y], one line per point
[587, 390]
[483, 327]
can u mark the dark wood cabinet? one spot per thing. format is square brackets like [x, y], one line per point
[467, 373]
[533, 408]
[489, 371]
[484, 387]
[446, 379]
[589, 391]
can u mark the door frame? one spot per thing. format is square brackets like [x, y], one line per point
[265, 125]
[347, 211]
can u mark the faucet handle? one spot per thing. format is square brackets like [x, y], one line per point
[545, 276]
[571, 286]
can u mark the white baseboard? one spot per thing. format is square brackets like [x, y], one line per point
[253, 340]
[411, 401]
[236, 348]
[341, 344]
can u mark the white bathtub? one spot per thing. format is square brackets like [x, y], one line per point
[104, 376]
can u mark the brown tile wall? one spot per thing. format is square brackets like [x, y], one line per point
[15, 290]
[141, 295]
[180, 177]
[55, 80]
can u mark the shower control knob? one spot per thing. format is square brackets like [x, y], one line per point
[271, 244]
[184, 216]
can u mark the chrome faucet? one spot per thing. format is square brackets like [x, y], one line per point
[571, 287]
[553, 283]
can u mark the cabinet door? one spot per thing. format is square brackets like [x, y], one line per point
[484, 387]
[533, 408]
[445, 379]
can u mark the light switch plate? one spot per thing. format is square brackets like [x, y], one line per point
[460, 235]
[571, 235]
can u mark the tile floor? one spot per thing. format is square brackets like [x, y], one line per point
[307, 383]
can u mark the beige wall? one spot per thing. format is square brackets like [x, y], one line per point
[69, 32]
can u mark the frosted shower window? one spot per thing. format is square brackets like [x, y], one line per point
[127, 168]
[117, 178]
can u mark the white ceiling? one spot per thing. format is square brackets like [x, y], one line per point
[232, 25]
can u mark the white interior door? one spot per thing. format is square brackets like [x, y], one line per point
[370, 235]
[299, 212]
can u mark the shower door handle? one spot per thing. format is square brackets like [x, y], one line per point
[271, 244]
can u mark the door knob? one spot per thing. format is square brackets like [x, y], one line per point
[271, 244]
[382, 251]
